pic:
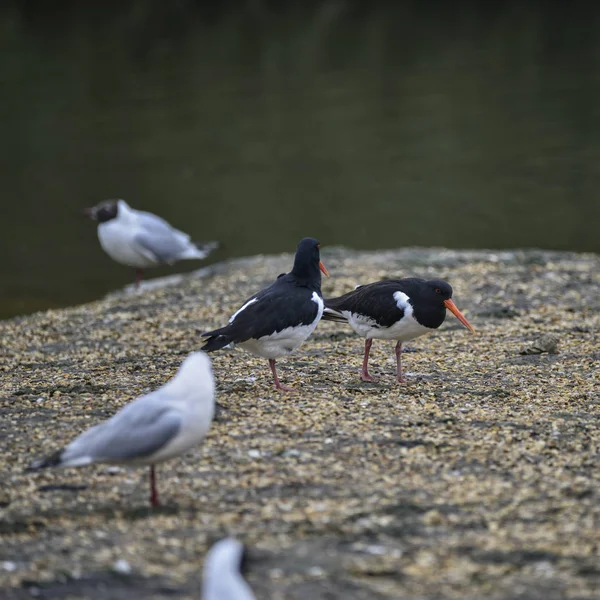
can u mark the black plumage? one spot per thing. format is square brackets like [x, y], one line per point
[279, 318]
[395, 309]
[376, 301]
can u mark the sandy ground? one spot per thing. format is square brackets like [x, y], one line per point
[476, 479]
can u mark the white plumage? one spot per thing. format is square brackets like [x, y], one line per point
[403, 330]
[222, 578]
[151, 429]
[141, 239]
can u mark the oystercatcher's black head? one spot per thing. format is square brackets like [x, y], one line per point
[436, 293]
[105, 211]
[307, 263]
[440, 290]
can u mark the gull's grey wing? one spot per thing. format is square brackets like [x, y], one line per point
[157, 225]
[137, 431]
[163, 246]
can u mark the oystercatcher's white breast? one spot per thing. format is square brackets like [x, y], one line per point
[407, 328]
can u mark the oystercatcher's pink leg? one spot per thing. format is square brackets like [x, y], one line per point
[139, 273]
[364, 375]
[399, 363]
[153, 493]
[283, 388]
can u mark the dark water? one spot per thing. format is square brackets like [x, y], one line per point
[372, 125]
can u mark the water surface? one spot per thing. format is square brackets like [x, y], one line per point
[370, 125]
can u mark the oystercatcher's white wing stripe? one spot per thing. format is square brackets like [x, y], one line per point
[407, 328]
[403, 303]
[237, 312]
[319, 302]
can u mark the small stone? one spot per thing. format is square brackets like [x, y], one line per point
[276, 573]
[545, 343]
[433, 517]
[113, 470]
[544, 568]
[9, 565]
[291, 452]
[122, 567]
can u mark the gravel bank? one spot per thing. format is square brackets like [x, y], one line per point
[477, 479]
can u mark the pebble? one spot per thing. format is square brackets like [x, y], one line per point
[122, 566]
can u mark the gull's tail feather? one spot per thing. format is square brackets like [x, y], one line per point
[205, 248]
[54, 460]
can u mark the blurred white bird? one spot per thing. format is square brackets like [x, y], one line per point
[141, 239]
[223, 579]
[153, 428]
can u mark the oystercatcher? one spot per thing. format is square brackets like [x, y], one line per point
[394, 309]
[277, 320]
[140, 239]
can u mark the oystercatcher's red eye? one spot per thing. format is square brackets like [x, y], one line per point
[438, 291]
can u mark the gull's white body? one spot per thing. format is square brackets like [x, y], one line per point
[154, 427]
[141, 239]
[222, 578]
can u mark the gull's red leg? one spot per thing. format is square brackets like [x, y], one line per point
[153, 493]
[139, 273]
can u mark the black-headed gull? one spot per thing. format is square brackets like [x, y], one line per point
[222, 574]
[394, 309]
[151, 429]
[141, 239]
[277, 320]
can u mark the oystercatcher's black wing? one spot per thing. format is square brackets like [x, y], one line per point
[283, 304]
[375, 301]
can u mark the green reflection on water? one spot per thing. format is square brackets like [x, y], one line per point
[408, 124]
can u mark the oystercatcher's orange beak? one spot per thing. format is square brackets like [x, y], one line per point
[454, 310]
[326, 272]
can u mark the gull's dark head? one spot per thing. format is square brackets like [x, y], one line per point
[307, 262]
[103, 212]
